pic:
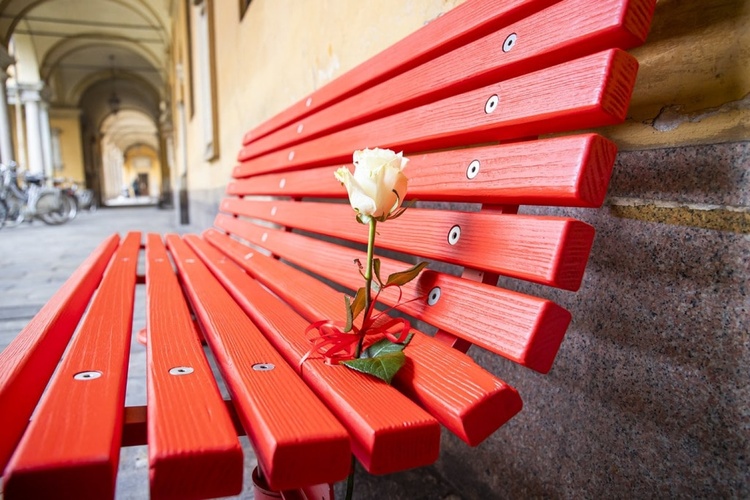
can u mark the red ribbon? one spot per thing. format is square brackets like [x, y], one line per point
[335, 345]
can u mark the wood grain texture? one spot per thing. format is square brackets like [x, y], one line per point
[587, 92]
[192, 444]
[586, 28]
[465, 23]
[72, 446]
[450, 385]
[32, 356]
[293, 452]
[389, 432]
[565, 171]
[525, 329]
[547, 250]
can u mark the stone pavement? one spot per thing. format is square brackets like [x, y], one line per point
[36, 259]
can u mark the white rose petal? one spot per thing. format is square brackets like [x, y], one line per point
[378, 185]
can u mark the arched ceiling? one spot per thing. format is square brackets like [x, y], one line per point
[86, 49]
[130, 128]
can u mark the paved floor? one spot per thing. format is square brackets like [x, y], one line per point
[36, 259]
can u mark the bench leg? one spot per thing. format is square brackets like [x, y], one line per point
[315, 492]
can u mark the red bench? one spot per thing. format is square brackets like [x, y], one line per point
[466, 98]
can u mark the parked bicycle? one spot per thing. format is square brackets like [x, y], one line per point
[34, 200]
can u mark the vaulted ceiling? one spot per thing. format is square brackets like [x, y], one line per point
[88, 49]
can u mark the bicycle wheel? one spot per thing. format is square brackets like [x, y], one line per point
[52, 208]
[15, 212]
[3, 213]
[72, 203]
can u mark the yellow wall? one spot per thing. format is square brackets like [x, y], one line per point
[693, 84]
[278, 53]
[69, 124]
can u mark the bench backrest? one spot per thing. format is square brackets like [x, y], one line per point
[466, 98]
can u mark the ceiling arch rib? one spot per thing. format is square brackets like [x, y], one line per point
[129, 128]
[124, 81]
[154, 13]
[64, 48]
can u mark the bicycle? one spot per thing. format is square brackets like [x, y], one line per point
[35, 200]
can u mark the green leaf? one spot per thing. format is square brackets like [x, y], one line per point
[383, 367]
[349, 317]
[359, 304]
[376, 269]
[403, 277]
[385, 346]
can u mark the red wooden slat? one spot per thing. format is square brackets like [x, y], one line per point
[389, 432]
[583, 29]
[465, 23]
[522, 328]
[193, 448]
[564, 171]
[451, 386]
[32, 356]
[292, 451]
[588, 92]
[547, 250]
[72, 446]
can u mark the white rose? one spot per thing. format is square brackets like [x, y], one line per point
[378, 185]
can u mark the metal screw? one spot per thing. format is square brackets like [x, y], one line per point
[273, 210]
[282, 183]
[263, 367]
[291, 155]
[491, 104]
[308, 103]
[510, 42]
[434, 296]
[299, 128]
[264, 237]
[454, 235]
[181, 370]
[90, 375]
[473, 169]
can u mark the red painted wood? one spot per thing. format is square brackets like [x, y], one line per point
[30, 359]
[389, 433]
[451, 386]
[525, 329]
[193, 448]
[72, 446]
[564, 171]
[583, 29]
[465, 23]
[292, 451]
[588, 92]
[547, 250]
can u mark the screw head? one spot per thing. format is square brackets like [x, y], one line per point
[88, 375]
[263, 367]
[454, 235]
[473, 170]
[491, 105]
[433, 296]
[510, 42]
[181, 370]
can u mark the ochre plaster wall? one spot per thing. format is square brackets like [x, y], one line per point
[69, 124]
[277, 54]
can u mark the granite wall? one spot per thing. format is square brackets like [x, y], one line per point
[649, 394]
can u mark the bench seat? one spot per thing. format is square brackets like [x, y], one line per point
[493, 105]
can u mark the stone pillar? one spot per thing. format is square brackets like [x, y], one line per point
[46, 136]
[31, 100]
[6, 140]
